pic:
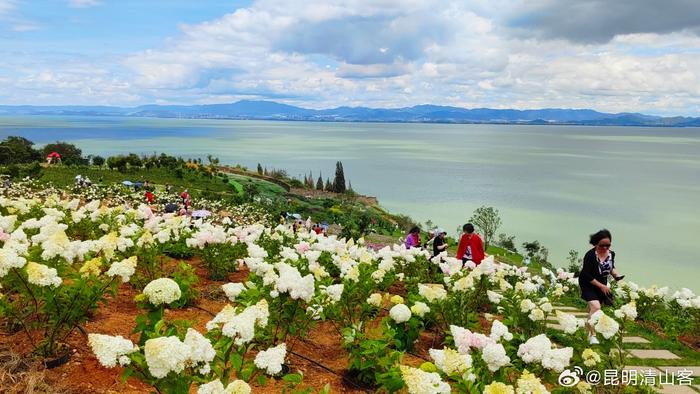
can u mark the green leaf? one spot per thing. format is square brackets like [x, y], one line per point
[293, 378]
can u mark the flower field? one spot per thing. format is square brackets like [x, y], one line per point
[126, 300]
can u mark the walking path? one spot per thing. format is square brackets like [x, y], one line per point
[647, 361]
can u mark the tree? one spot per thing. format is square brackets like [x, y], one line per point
[117, 163]
[339, 181]
[260, 169]
[319, 182]
[98, 161]
[18, 150]
[532, 247]
[487, 220]
[506, 242]
[70, 154]
[574, 260]
[134, 160]
[329, 185]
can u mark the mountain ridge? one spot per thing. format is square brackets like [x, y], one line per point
[423, 113]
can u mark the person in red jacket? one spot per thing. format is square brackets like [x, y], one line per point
[470, 247]
[149, 197]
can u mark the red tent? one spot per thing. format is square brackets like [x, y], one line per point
[53, 155]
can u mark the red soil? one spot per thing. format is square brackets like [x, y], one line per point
[319, 356]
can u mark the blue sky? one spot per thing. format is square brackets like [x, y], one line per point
[627, 55]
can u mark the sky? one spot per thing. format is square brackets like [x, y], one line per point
[613, 56]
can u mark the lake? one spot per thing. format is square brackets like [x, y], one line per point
[555, 184]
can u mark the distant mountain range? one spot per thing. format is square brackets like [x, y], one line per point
[269, 110]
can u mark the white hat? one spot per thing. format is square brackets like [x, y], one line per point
[439, 231]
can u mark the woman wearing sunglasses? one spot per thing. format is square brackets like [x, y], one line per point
[598, 264]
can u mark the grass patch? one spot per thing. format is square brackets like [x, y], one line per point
[65, 176]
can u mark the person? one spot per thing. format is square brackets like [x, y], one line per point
[184, 196]
[439, 244]
[413, 238]
[318, 229]
[598, 264]
[149, 197]
[470, 247]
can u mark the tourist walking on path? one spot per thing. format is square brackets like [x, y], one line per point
[598, 264]
[413, 238]
[470, 247]
[439, 244]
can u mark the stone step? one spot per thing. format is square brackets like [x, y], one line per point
[676, 389]
[634, 340]
[566, 308]
[652, 354]
[555, 326]
[694, 370]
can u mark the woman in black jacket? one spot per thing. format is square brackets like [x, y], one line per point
[598, 264]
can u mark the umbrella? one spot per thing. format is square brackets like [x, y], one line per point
[78, 177]
[139, 184]
[202, 213]
[127, 183]
[54, 154]
[170, 208]
[296, 216]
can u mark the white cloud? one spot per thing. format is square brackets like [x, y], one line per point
[396, 53]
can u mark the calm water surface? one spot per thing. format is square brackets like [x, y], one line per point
[556, 184]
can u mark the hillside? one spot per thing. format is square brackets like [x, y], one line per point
[269, 110]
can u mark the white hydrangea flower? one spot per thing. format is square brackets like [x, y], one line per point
[557, 359]
[162, 291]
[494, 297]
[432, 292]
[124, 269]
[10, 259]
[534, 349]
[569, 322]
[495, 356]
[500, 330]
[536, 315]
[201, 349]
[111, 350]
[421, 382]
[233, 290]
[165, 355]
[627, 311]
[604, 324]
[290, 281]
[375, 300]
[590, 357]
[42, 275]
[451, 361]
[420, 309]
[242, 326]
[527, 305]
[271, 360]
[334, 292]
[216, 387]
[400, 313]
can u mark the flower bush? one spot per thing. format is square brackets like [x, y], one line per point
[483, 327]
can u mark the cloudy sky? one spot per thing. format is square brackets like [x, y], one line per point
[618, 56]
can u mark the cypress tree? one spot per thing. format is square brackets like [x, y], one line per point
[339, 181]
[319, 182]
[329, 186]
[260, 169]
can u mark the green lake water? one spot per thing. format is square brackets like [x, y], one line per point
[556, 184]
